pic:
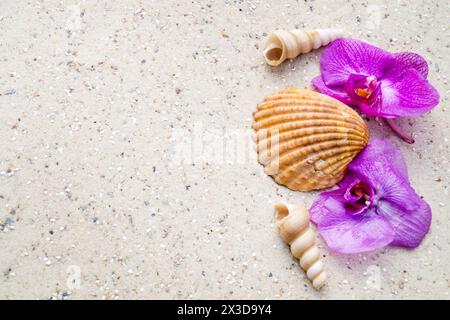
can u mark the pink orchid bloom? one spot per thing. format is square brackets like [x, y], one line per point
[374, 205]
[379, 83]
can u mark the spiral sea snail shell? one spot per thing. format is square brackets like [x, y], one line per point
[294, 227]
[282, 44]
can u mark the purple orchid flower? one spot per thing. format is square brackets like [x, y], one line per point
[374, 205]
[380, 83]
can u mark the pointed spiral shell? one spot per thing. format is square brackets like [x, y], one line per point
[305, 140]
[282, 44]
[293, 225]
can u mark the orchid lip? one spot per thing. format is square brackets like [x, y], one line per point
[363, 89]
[358, 197]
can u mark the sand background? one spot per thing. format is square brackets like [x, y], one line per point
[126, 166]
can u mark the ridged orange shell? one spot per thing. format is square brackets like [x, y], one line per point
[305, 139]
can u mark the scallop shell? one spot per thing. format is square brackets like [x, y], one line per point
[305, 140]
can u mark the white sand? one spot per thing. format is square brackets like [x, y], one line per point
[104, 107]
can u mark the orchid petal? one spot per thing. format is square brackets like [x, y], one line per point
[335, 92]
[411, 95]
[386, 171]
[344, 57]
[410, 226]
[379, 149]
[408, 60]
[346, 233]
[347, 180]
[397, 191]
